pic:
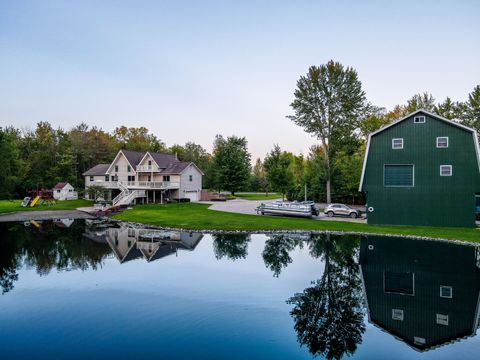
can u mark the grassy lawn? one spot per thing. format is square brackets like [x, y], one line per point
[258, 196]
[197, 216]
[8, 206]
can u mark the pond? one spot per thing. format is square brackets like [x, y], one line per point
[83, 289]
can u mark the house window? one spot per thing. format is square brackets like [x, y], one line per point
[399, 283]
[397, 143]
[419, 119]
[107, 177]
[166, 177]
[190, 178]
[419, 340]
[91, 178]
[398, 175]
[129, 169]
[445, 170]
[113, 178]
[397, 314]
[116, 168]
[442, 142]
[442, 319]
[130, 178]
[149, 162]
[446, 292]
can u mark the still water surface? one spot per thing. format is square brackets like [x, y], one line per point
[76, 289]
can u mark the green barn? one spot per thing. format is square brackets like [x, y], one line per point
[422, 170]
[425, 293]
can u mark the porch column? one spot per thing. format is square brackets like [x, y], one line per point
[154, 196]
[161, 196]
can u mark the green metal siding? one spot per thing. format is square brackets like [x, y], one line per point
[433, 264]
[434, 200]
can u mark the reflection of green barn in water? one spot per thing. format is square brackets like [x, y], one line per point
[425, 293]
[422, 170]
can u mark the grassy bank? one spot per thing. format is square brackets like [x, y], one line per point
[258, 196]
[8, 206]
[197, 216]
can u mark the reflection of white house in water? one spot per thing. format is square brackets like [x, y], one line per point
[63, 223]
[130, 243]
[424, 293]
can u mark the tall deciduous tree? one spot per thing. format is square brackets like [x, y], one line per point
[278, 167]
[231, 161]
[137, 139]
[329, 102]
[423, 101]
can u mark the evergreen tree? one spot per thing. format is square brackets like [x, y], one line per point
[231, 162]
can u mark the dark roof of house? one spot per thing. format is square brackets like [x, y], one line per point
[60, 185]
[175, 168]
[133, 157]
[167, 162]
[163, 160]
[97, 170]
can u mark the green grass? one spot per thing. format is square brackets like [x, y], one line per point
[8, 206]
[258, 196]
[197, 216]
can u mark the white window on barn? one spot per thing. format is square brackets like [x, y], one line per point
[398, 175]
[446, 170]
[442, 319]
[397, 314]
[419, 340]
[91, 178]
[397, 143]
[419, 119]
[446, 292]
[442, 142]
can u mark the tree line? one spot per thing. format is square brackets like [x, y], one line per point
[329, 104]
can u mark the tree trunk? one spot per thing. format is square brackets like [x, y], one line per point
[329, 193]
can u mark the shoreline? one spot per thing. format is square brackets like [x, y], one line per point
[20, 216]
[293, 232]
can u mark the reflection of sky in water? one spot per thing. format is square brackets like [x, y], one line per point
[192, 305]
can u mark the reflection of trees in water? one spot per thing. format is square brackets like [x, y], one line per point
[231, 246]
[8, 263]
[276, 253]
[52, 248]
[329, 315]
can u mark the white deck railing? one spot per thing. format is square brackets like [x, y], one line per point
[148, 168]
[152, 185]
[137, 184]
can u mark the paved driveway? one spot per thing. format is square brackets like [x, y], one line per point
[241, 206]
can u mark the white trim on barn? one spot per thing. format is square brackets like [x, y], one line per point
[474, 134]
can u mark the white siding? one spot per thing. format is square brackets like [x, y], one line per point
[187, 185]
[122, 173]
[96, 179]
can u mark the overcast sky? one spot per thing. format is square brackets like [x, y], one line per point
[190, 70]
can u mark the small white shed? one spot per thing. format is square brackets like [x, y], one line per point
[64, 191]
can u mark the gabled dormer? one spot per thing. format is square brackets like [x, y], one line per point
[148, 164]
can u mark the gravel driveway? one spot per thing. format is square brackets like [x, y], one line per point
[241, 206]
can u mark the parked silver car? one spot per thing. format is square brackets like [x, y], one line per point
[341, 210]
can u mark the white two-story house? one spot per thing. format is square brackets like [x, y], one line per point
[146, 177]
